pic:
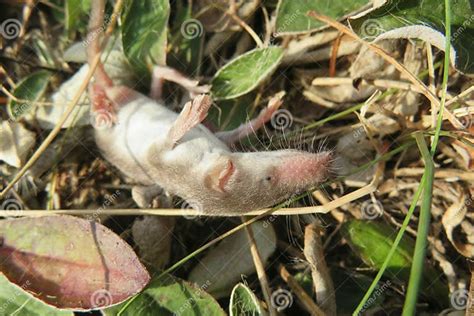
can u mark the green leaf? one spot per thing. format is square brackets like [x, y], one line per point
[70, 262]
[144, 32]
[292, 15]
[245, 72]
[168, 295]
[371, 242]
[244, 302]
[186, 40]
[57, 11]
[76, 12]
[306, 281]
[230, 114]
[30, 88]
[423, 19]
[16, 301]
[351, 287]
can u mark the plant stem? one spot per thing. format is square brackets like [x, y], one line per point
[397, 240]
[416, 272]
[410, 302]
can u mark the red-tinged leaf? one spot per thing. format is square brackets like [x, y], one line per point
[70, 262]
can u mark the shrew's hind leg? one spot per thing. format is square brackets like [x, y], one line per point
[230, 137]
[162, 73]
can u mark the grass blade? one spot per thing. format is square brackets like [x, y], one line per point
[416, 271]
[412, 296]
[399, 237]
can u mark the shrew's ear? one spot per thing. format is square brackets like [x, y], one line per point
[219, 175]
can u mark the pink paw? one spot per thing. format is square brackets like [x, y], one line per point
[273, 105]
[102, 119]
[102, 111]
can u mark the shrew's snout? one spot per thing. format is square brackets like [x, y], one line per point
[305, 168]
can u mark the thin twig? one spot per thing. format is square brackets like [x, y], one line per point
[26, 14]
[445, 174]
[245, 26]
[262, 276]
[12, 97]
[296, 288]
[322, 282]
[27, 63]
[431, 80]
[333, 59]
[3, 72]
[460, 95]
[381, 83]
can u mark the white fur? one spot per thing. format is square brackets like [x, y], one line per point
[136, 144]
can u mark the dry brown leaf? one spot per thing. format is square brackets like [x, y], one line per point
[453, 217]
[16, 143]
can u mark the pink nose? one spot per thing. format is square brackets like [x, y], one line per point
[305, 168]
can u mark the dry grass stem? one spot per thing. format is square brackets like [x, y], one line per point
[296, 288]
[262, 276]
[322, 282]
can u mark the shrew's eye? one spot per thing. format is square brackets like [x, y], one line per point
[268, 178]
